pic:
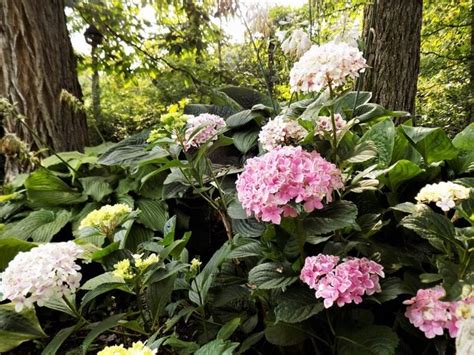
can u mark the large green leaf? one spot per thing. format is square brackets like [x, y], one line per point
[228, 329]
[272, 275]
[243, 117]
[351, 100]
[41, 226]
[338, 215]
[153, 213]
[245, 97]
[398, 173]
[42, 187]
[103, 288]
[9, 248]
[54, 345]
[297, 305]
[432, 226]
[197, 109]
[218, 346]
[96, 186]
[245, 140]
[370, 340]
[465, 139]
[99, 328]
[284, 334]
[158, 295]
[105, 278]
[382, 135]
[17, 327]
[432, 143]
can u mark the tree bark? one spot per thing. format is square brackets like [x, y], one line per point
[471, 67]
[37, 64]
[392, 31]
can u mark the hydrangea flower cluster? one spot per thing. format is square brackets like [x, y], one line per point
[445, 194]
[343, 283]
[207, 126]
[271, 183]
[107, 218]
[324, 124]
[331, 63]
[169, 122]
[431, 315]
[296, 44]
[46, 271]
[279, 132]
[124, 269]
[137, 348]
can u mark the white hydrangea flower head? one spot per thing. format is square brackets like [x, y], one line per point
[209, 126]
[44, 272]
[279, 132]
[296, 44]
[107, 218]
[324, 124]
[331, 63]
[445, 194]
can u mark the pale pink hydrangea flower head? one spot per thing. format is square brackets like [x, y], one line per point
[202, 129]
[432, 316]
[343, 283]
[45, 272]
[331, 63]
[279, 132]
[324, 124]
[271, 184]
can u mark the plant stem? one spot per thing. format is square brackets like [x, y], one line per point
[73, 308]
[333, 122]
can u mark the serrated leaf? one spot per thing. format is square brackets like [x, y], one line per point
[248, 227]
[338, 215]
[272, 275]
[432, 143]
[243, 247]
[382, 135]
[297, 305]
[370, 340]
[153, 213]
[17, 327]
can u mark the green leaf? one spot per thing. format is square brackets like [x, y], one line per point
[351, 100]
[105, 278]
[158, 295]
[103, 288]
[40, 225]
[398, 173]
[370, 340]
[17, 327]
[338, 215]
[236, 211]
[218, 346]
[96, 186]
[465, 139]
[243, 247]
[272, 275]
[369, 111]
[245, 97]
[284, 334]
[228, 329]
[391, 287]
[9, 248]
[54, 345]
[153, 213]
[297, 305]
[243, 117]
[382, 135]
[245, 140]
[432, 143]
[432, 226]
[249, 227]
[100, 328]
[197, 109]
[42, 187]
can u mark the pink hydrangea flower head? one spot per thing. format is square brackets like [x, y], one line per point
[46, 271]
[272, 182]
[279, 132]
[432, 316]
[324, 124]
[331, 63]
[201, 129]
[343, 283]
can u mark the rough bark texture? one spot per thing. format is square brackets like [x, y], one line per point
[471, 66]
[36, 63]
[392, 30]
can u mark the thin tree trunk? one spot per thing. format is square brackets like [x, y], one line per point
[471, 67]
[394, 29]
[37, 63]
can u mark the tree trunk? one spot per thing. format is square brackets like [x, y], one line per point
[392, 30]
[471, 67]
[37, 64]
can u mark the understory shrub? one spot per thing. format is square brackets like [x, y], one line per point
[241, 227]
